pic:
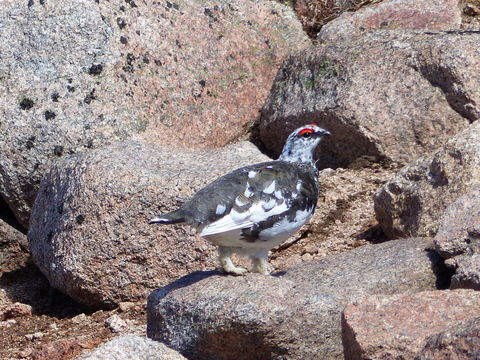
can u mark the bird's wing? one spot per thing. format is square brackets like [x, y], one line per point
[262, 194]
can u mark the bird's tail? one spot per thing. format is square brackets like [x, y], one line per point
[173, 217]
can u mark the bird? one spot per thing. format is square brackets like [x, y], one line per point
[252, 209]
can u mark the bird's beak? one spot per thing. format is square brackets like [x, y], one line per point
[324, 133]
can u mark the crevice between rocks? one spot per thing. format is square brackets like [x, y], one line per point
[6, 214]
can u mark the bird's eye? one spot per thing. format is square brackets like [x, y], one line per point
[305, 133]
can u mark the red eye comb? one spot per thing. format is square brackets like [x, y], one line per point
[301, 132]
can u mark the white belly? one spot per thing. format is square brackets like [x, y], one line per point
[268, 238]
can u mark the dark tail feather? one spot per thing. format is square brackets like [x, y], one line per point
[173, 217]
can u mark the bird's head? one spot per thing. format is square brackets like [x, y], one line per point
[302, 142]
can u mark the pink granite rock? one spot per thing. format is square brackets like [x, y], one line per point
[398, 326]
[394, 15]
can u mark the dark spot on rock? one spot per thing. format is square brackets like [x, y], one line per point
[169, 4]
[89, 144]
[129, 66]
[60, 208]
[95, 69]
[30, 3]
[202, 83]
[383, 24]
[70, 88]
[80, 219]
[58, 150]
[146, 60]
[49, 115]
[121, 23]
[129, 93]
[55, 97]
[209, 13]
[122, 8]
[91, 96]
[42, 2]
[69, 80]
[123, 40]
[158, 62]
[50, 236]
[178, 44]
[30, 142]
[26, 104]
[131, 3]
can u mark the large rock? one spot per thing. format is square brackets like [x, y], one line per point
[89, 233]
[459, 342]
[389, 94]
[394, 15]
[80, 74]
[291, 315]
[129, 347]
[397, 326]
[458, 239]
[412, 203]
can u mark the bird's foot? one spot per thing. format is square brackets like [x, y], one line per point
[234, 270]
[226, 264]
[260, 265]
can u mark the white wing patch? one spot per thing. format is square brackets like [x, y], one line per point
[269, 204]
[220, 209]
[251, 174]
[283, 229]
[239, 202]
[270, 188]
[248, 191]
[299, 185]
[239, 220]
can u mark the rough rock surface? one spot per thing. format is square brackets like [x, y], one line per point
[291, 315]
[397, 326]
[128, 347]
[413, 202]
[458, 239]
[388, 94]
[80, 74]
[89, 233]
[395, 15]
[460, 342]
[13, 248]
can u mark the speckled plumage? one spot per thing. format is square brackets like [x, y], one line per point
[255, 208]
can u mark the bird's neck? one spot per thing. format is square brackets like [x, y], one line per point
[297, 154]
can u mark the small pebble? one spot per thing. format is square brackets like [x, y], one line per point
[115, 323]
[79, 318]
[25, 353]
[34, 336]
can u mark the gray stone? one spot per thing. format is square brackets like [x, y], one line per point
[290, 315]
[89, 233]
[394, 15]
[413, 202]
[129, 347]
[390, 95]
[80, 74]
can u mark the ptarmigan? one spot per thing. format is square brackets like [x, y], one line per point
[255, 208]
